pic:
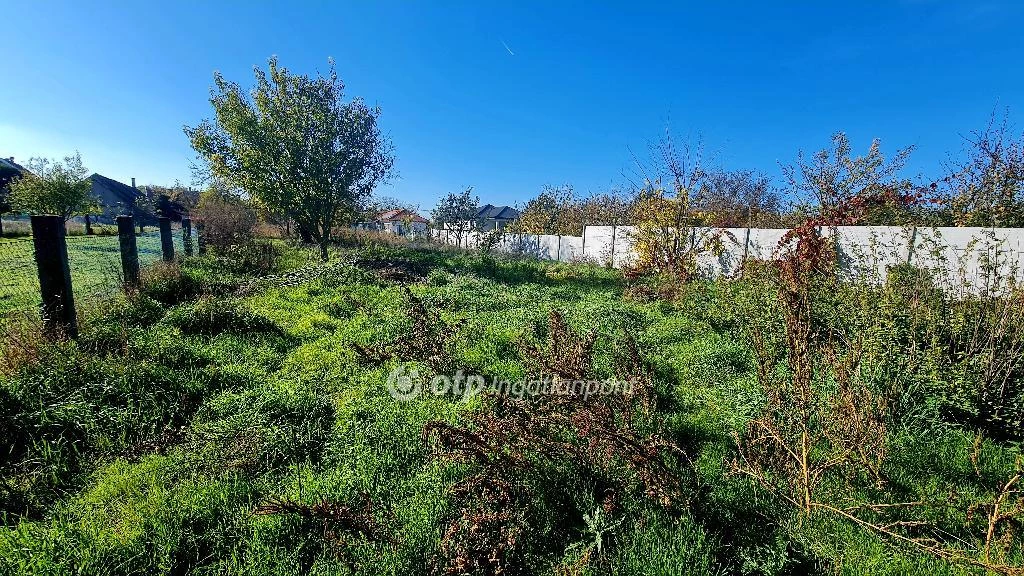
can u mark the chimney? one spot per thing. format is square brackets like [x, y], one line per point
[133, 182]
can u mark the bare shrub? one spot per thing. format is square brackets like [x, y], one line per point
[987, 188]
[610, 437]
[226, 221]
[430, 339]
[820, 443]
[340, 524]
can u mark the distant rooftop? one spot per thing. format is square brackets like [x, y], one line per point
[492, 212]
[10, 164]
[400, 214]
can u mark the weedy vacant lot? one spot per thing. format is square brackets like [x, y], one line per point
[226, 422]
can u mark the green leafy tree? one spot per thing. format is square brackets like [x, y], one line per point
[296, 147]
[610, 208]
[556, 210]
[53, 187]
[456, 213]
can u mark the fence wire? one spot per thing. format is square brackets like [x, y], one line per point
[95, 263]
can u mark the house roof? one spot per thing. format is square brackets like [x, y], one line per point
[10, 164]
[399, 215]
[492, 212]
[113, 193]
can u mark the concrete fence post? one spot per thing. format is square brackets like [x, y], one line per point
[51, 254]
[613, 246]
[913, 242]
[166, 239]
[186, 235]
[129, 251]
[746, 250]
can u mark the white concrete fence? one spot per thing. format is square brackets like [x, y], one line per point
[972, 255]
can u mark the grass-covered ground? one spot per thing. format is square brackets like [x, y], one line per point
[95, 267]
[216, 424]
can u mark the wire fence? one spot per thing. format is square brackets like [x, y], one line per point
[95, 263]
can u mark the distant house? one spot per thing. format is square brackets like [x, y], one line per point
[401, 222]
[117, 198]
[492, 217]
[9, 171]
[9, 167]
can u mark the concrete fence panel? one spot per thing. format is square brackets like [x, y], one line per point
[721, 250]
[764, 242]
[571, 249]
[598, 243]
[867, 252]
[623, 253]
[547, 246]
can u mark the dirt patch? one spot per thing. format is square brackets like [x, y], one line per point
[398, 270]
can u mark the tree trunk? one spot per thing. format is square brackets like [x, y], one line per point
[323, 250]
[88, 226]
[306, 235]
[1, 224]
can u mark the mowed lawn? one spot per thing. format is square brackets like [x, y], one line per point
[95, 267]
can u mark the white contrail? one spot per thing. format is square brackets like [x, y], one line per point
[507, 48]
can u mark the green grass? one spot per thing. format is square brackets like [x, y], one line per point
[95, 263]
[147, 445]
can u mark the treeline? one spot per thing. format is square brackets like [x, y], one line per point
[985, 187]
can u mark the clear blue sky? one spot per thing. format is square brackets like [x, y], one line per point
[587, 81]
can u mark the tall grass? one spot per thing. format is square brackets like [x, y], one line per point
[221, 423]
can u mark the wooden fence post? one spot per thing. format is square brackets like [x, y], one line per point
[51, 253]
[186, 235]
[129, 251]
[200, 238]
[166, 239]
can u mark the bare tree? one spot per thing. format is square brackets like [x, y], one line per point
[827, 181]
[740, 198]
[987, 187]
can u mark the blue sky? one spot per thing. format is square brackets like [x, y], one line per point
[587, 83]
